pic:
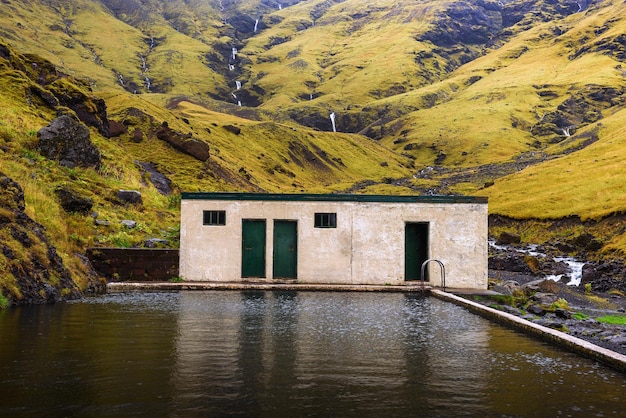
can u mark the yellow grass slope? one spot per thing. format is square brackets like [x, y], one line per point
[490, 120]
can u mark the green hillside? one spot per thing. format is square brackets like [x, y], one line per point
[521, 101]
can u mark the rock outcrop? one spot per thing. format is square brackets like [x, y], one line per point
[33, 272]
[67, 140]
[56, 89]
[72, 202]
[183, 142]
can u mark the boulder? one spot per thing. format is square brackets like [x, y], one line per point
[130, 196]
[128, 223]
[562, 314]
[549, 286]
[155, 243]
[116, 129]
[72, 202]
[507, 238]
[586, 241]
[183, 142]
[536, 310]
[158, 180]
[68, 141]
[233, 129]
[509, 261]
[544, 299]
[137, 136]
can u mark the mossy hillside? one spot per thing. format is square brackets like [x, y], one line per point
[61, 35]
[264, 156]
[278, 157]
[88, 41]
[492, 119]
[588, 183]
[337, 58]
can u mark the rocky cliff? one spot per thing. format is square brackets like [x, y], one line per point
[32, 270]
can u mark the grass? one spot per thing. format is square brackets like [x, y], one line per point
[612, 319]
[4, 302]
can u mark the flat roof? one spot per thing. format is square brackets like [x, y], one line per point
[307, 197]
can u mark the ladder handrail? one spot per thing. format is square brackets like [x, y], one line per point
[442, 269]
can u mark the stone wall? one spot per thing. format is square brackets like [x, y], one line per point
[135, 264]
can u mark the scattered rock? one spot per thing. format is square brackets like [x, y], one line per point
[137, 136]
[155, 243]
[130, 196]
[586, 241]
[502, 290]
[116, 129]
[563, 314]
[72, 202]
[549, 286]
[536, 310]
[507, 238]
[233, 129]
[68, 141]
[158, 180]
[128, 223]
[544, 299]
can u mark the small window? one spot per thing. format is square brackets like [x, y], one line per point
[214, 217]
[326, 220]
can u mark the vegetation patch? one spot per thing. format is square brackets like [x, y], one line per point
[612, 319]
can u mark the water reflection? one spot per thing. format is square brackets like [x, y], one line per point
[275, 354]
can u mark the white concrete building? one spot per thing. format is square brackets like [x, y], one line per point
[336, 239]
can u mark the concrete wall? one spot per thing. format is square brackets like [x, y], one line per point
[366, 247]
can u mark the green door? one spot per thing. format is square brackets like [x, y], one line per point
[416, 250]
[253, 248]
[285, 250]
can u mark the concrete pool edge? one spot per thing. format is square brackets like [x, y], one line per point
[117, 287]
[571, 343]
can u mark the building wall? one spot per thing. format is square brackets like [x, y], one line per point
[366, 247]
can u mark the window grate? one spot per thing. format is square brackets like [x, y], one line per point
[214, 217]
[325, 220]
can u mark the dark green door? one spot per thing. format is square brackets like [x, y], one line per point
[285, 249]
[416, 250]
[253, 248]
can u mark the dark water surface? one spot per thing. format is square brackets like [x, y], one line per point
[287, 354]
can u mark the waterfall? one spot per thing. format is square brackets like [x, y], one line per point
[238, 84]
[234, 96]
[234, 53]
[280, 6]
[151, 42]
[147, 82]
[239, 103]
[256, 25]
[231, 67]
[332, 120]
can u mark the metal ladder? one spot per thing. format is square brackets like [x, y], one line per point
[442, 269]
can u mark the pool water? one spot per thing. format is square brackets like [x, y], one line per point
[287, 354]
